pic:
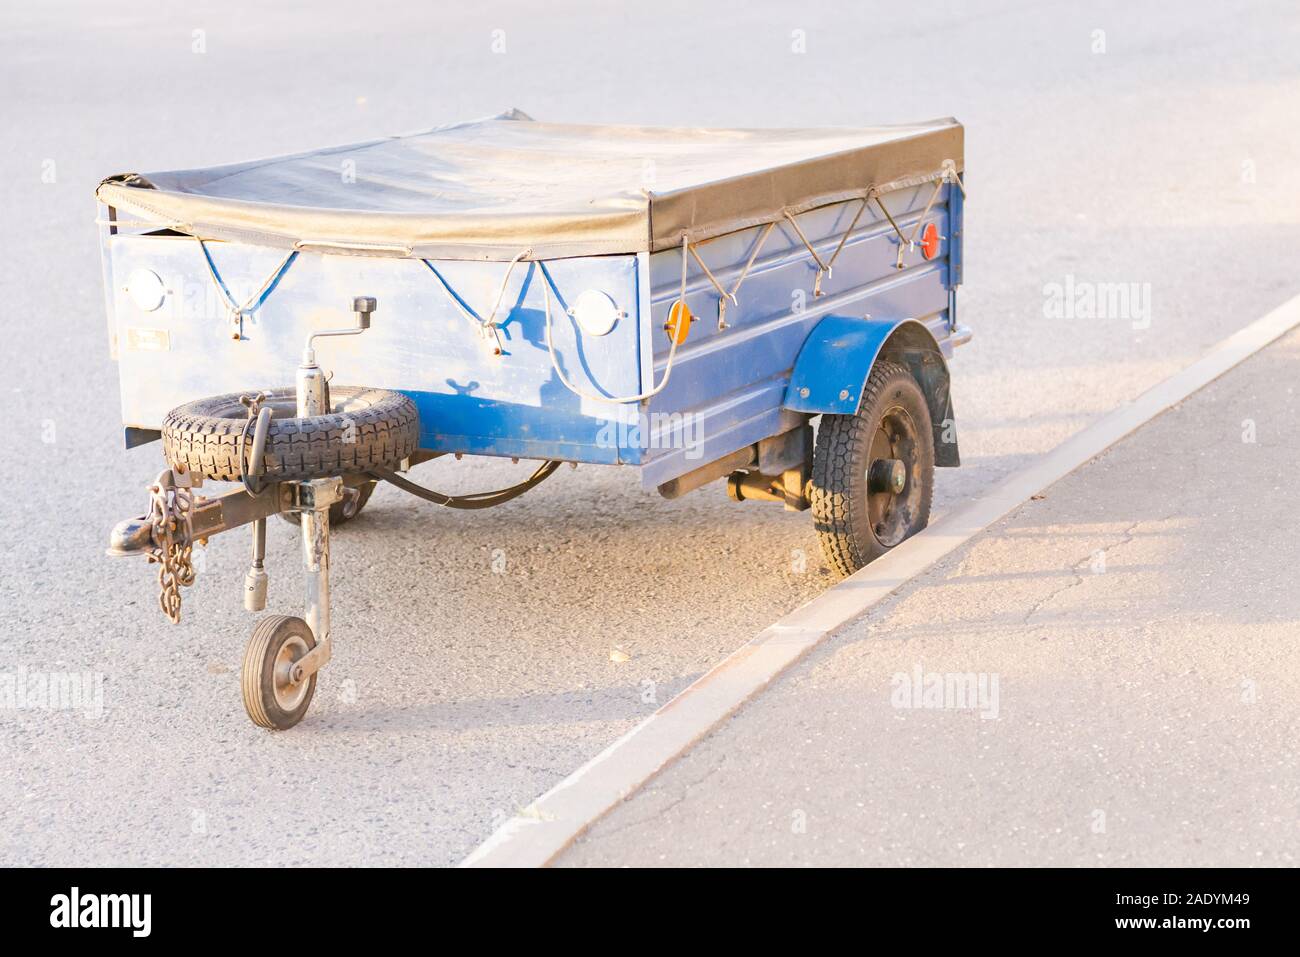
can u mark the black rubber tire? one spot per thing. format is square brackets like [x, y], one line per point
[367, 428]
[340, 512]
[257, 673]
[839, 488]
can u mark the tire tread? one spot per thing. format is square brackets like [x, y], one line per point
[843, 443]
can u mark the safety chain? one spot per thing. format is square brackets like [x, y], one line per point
[171, 512]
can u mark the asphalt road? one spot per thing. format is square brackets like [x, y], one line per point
[462, 688]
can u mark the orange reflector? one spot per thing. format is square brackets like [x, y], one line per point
[679, 322]
[930, 241]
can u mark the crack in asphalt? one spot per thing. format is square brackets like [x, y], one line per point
[1129, 535]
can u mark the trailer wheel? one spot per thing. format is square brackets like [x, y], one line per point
[340, 512]
[873, 472]
[365, 429]
[271, 697]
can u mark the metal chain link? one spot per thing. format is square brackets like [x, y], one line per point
[171, 510]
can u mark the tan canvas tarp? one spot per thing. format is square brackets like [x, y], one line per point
[495, 187]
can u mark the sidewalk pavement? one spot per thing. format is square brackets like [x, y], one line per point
[1106, 677]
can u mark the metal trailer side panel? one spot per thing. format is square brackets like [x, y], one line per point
[419, 344]
[727, 385]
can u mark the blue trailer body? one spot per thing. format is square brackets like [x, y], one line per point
[728, 388]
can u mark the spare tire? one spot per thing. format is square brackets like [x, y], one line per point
[366, 428]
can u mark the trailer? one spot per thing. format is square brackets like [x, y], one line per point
[688, 302]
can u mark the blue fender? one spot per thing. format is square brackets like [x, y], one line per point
[833, 364]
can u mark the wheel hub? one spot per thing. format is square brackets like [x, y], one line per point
[289, 688]
[887, 475]
[892, 496]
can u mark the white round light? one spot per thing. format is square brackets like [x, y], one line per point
[595, 312]
[146, 289]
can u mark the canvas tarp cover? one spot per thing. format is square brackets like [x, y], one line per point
[492, 188]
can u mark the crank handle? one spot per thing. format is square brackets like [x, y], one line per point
[363, 306]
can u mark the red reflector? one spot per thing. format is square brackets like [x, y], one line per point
[930, 241]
